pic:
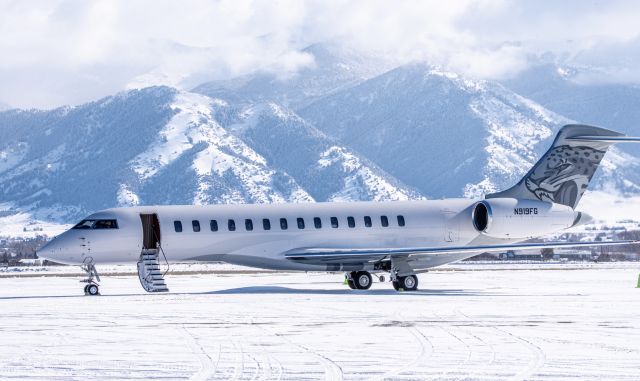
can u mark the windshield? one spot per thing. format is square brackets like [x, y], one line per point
[97, 224]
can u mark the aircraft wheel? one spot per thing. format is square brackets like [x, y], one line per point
[362, 280]
[408, 283]
[85, 289]
[93, 290]
[396, 285]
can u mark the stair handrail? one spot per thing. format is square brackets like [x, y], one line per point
[163, 254]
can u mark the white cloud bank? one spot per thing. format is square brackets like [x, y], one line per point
[67, 52]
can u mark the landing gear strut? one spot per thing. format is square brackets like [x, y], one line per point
[359, 280]
[92, 287]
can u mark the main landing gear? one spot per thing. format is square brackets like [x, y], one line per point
[359, 280]
[405, 283]
[362, 280]
[92, 288]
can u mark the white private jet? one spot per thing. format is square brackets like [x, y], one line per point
[359, 238]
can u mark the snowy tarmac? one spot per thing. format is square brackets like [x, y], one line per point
[493, 324]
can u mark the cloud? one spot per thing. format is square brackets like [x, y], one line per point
[68, 52]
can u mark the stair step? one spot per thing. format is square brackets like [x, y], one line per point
[150, 272]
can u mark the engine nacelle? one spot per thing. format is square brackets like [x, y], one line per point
[515, 218]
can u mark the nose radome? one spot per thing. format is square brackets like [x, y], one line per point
[48, 251]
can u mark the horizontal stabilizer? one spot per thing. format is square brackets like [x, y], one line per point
[606, 139]
[336, 255]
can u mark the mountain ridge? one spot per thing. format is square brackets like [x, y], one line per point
[365, 133]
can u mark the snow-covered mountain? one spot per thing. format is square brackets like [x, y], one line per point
[320, 164]
[334, 67]
[446, 135]
[159, 145]
[344, 129]
[572, 92]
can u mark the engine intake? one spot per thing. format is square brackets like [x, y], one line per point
[481, 216]
[515, 218]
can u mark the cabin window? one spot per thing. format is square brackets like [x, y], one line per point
[283, 224]
[266, 224]
[97, 224]
[334, 222]
[400, 220]
[231, 225]
[248, 224]
[213, 224]
[384, 221]
[300, 223]
[317, 222]
[367, 221]
[351, 222]
[195, 224]
[177, 225]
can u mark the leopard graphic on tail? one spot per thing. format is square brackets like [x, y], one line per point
[563, 174]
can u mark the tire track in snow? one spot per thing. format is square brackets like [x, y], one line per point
[486, 365]
[333, 371]
[449, 332]
[270, 358]
[207, 364]
[536, 362]
[426, 351]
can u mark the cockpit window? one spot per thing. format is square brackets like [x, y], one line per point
[97, 224]
[85, 224]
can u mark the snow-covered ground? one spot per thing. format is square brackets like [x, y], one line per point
[574, 322]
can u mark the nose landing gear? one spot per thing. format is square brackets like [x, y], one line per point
[92, 286]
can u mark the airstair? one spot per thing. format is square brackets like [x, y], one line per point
[151, 277]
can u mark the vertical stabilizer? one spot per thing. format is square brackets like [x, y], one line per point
[564, 172]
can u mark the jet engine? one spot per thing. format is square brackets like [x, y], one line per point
[516, 218]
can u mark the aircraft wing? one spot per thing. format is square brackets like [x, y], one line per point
[337, 255]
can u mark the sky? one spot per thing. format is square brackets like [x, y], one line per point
[66, 52]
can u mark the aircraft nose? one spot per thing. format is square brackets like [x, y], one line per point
[50, 251]
[60, 250]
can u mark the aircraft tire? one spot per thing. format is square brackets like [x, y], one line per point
[93, 290]
[363, 280]
[352, 284]
[408, 283]
[396, 285]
